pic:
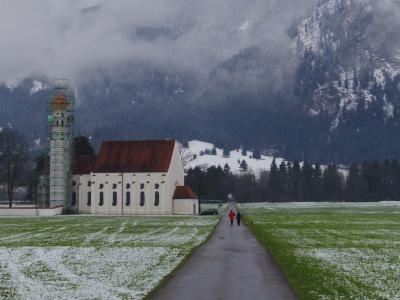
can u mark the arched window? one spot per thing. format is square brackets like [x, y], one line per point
[157, 198]
[128, 186]
[142, 198]
[101, 200]
[114, 202]
[89, 183]
[89, 198]
[156, 186]
[101, 186]
[114, 186]
[73, 201]
[142, 186]
[128, 199]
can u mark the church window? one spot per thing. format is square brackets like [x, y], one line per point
[73, 183]
[101, 200]
[89, 183]
[157, 198]
[142, 186]
[73, 202]
[114, 202]
[128, 186]
[101, 186]
[114, 186]
[89, 198]
[128, 199]
[142, 198]
[156, 186]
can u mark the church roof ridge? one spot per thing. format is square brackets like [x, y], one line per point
[135, 156]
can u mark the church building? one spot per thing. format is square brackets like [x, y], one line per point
[132, 178]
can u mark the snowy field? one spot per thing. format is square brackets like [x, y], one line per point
[333, 250]
[87, 257]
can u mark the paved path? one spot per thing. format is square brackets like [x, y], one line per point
[232, 265]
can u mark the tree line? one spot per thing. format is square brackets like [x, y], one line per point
[287, 181]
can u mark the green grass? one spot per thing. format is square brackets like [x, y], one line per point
[332, 251]
[94, 257]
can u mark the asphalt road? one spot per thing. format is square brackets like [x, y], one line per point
[231, 265]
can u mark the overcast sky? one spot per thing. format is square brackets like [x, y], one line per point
[63, 38]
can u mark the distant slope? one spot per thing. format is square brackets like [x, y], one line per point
[199, 158]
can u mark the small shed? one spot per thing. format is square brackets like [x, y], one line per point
[186, 201]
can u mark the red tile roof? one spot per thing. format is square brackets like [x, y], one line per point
[84, 164]
[135, 156]
[184, 192]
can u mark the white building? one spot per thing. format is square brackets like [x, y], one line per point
[132, 177]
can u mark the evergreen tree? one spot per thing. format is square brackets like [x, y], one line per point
[283, 183]
[333, 184]
[274, 181]
[307, 181]
[257, 154]
[227, 169]
[243, 166]
[317, 185]
[353, 191]
[296, 187]
[213, 151]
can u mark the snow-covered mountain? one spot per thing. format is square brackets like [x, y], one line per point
[349, 53]
[325, 89]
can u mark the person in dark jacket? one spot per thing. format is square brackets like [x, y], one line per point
[238, 217]
[232, 217]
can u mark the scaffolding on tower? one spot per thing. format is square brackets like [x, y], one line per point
[56, 184]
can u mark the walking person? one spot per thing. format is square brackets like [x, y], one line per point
[232, 217]
[238, 217]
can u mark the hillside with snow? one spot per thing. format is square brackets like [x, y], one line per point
[196, 156]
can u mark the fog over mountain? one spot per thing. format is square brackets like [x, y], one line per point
[313, 80]
[67, 38]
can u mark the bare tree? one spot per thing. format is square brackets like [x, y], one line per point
[186, 156]
[13, 160]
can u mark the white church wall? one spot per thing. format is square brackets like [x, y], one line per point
[135, 184]
[176, 176]
[186, 207]
[107, 184]
[84, 189]
[145, 183]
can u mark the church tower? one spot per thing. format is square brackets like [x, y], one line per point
[61, 136]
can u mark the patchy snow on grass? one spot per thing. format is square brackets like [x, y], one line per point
[85, 273]
[82, 257]
[377, 270]
[321, 205]
[352, 249]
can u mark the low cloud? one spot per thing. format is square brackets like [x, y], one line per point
[68, 38]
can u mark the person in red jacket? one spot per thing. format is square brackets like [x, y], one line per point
[232, 217]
